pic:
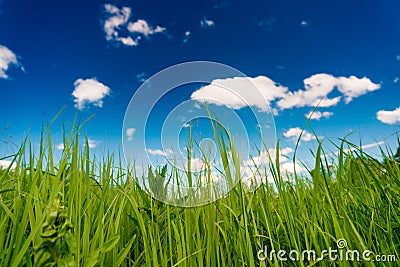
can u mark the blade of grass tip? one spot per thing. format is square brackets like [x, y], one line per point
[80, 125]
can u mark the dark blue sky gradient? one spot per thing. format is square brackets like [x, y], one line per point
[59, 42]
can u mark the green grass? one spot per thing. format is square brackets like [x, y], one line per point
[88, 211]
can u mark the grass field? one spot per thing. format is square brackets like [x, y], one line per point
[87, 211]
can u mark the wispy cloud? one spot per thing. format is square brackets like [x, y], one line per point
[129, 133]
[267, 24]
[364, 146]
[118, 21]
[222, 5]
[186, 37]
[159, 152]
[304, 23]
[89, 91]
[93, 143]
[141, 26]
[206, 23]
[60, 146]
[141, 77]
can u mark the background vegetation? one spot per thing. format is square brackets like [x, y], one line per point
[88, 211]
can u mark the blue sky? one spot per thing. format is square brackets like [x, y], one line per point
[93, 55]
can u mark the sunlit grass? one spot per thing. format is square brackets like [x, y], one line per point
[87, 211]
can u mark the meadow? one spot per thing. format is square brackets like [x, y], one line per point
[87, 210]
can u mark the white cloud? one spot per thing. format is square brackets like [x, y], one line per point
[398, 57]
[197, 164]
[206, 23]
[128, 41]
[129, 133]
[141, 26]
[254, 175]
[295, 133]
[159, 152]
[265, 157]
[240, 92]
[360, 148]
[117, 18]
[186, 37]
[346, 150]
[141, 77]
[372, 145]
[286, 151]
[304, 23]
[319, 86]
[60, 146]
[396, 79]
[317, 115]
[89, 91]
[389, 116]
[7, 58]
[93, 143]
[290, 168]
[4, 164]
[117, 21]
[353, 87]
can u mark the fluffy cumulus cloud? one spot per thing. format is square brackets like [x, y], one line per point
[296, 132]
[118, 21]
[89, 91]
[353, 87]
[5, 164]
[129, 133]
[389, 116]
[7, 58]
[206, 23]
[240, 92]
[317, 115]
[319, 86]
